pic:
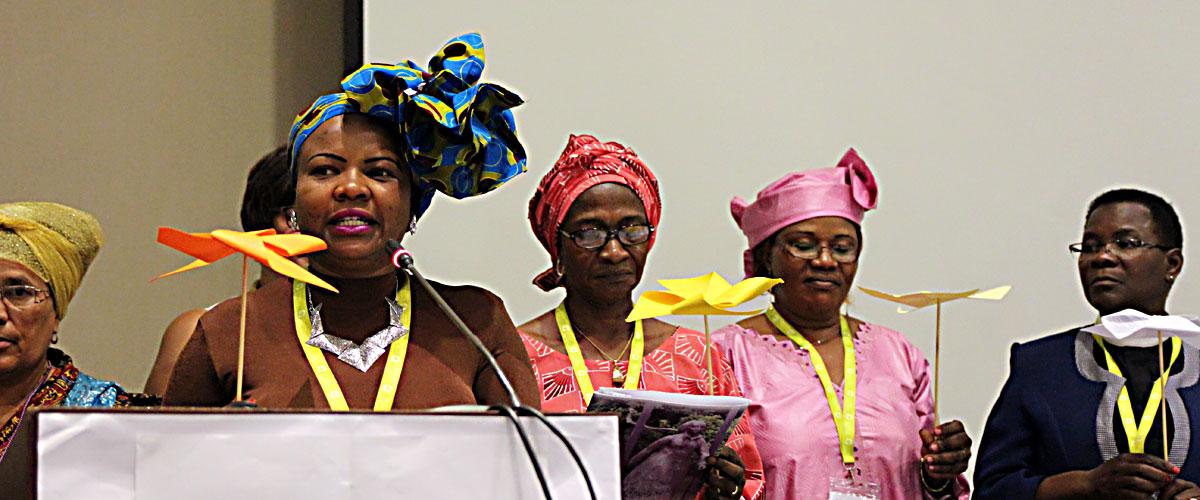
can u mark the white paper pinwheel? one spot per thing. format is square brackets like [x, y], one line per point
[1138, 329]
[918, 300]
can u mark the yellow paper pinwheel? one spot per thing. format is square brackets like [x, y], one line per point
[266, 247]
[918, 300]
[702, 295]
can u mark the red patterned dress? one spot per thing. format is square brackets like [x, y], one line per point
[675, 366]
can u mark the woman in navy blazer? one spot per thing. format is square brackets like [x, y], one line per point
[1056, 431]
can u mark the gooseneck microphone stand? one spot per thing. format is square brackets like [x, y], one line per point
[402, 259]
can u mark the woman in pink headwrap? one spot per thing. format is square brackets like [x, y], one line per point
[833, 395]
[596, 213]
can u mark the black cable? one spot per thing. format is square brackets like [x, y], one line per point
[587, 478]
[537, 466]
[402, 259]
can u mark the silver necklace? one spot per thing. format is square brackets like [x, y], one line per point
[360, 356]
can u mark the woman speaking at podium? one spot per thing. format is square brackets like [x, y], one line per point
[596, 212]
[366, 162]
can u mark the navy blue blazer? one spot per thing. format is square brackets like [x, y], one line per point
[1055, 415]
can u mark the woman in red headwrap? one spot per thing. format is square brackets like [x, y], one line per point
[596, 213]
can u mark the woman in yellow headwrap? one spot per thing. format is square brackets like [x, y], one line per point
[45, 248]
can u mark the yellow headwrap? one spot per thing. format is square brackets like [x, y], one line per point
[55, 241]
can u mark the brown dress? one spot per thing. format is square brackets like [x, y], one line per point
[441, 368]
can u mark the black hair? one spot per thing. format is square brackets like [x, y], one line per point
[1166, 221]
[268, 190]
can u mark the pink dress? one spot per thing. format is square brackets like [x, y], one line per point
[795, 433]
[675, 366]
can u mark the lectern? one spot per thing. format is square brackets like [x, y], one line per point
[67, 454]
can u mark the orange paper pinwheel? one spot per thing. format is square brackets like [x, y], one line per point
[266, 247]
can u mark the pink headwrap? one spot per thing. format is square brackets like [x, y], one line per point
[584, 163]
[847, 191]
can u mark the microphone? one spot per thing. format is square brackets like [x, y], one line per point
[403, 260]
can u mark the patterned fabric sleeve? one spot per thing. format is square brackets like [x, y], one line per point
[741, 439]
[64, 385]
[89, 392]
[532, 352]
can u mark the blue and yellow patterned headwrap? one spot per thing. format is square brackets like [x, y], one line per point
[460, 137]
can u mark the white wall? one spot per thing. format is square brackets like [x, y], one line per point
[988, 125]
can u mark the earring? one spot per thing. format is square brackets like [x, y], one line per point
[1170, 278]
[292, 222]
[412, 225]
[54, 337]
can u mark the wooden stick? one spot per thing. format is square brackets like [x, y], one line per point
[937, 361]
[708, 355]
[241, 367]
[1163, 400]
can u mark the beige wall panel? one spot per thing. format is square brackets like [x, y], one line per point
[149, 114]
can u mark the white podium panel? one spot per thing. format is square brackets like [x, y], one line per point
[119, 455]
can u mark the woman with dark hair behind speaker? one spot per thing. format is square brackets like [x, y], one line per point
[366, 163]
[596, 213]
[1078, 415]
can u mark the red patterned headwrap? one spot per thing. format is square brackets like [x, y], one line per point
[584, 163]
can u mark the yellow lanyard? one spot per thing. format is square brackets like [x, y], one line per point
[1136, 432]
[576, 355]
[843, 413]
[316, 359]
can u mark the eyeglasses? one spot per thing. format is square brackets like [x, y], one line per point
[842, 251]
[593, 238]
[23, 295]
[1123, 246]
